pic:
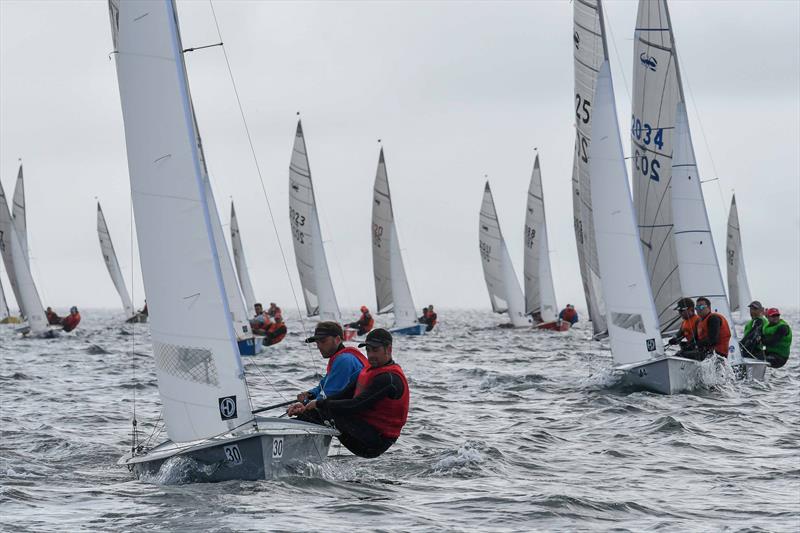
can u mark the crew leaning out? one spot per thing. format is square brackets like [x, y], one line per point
[365, 322]
[260, 322]
[429, 318]
[777, 339]
[71, 321]
[712, 332]
[569, 314]
[752, 343]
[276, 331]
[370, 413]
[685, 335]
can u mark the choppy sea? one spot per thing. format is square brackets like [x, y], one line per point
[509, 430]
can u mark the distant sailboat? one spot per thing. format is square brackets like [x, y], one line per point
[738, 287]
[18, 214]
[206, 403]
[391, 283]
[241, 263]
[5, 312]
[589, 38]
[309, 250]
[498, 271]
[112, 264]
[540, 294]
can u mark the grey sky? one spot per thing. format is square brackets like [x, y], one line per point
[456, 90]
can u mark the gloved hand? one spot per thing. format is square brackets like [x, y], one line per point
[673, 341]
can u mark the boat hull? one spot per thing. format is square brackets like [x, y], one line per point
[265, 453]
[350, 334]
[416, 329]
[754, 370]
[138, 318]
[554, 325]
[251, 346]
[668, 375]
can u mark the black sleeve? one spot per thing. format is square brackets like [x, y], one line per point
[384, 385]
[780, 332]
[713, 324]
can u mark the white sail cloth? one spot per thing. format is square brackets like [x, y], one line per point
[632, 320]
[309, 250]
[540, 295]
[694, 244]
[241, 263]
[498, 271]
[112, 264]
[738, 287]
[18, 214]
[589, 38]
[391, 283]
[200, 375]
[656, 92]
[4, 310]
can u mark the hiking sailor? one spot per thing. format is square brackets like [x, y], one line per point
[364, 323]
[685, 335]
[752, 344]
[712, 332]
[777, 339]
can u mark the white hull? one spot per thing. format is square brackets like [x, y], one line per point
[262, 454]
[668, 375]
[756, 370]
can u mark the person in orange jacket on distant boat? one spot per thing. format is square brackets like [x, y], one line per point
[276, 331]
[260, 322]
[72, 320]
[364, 323]
[569, 314]
[273, 310]
[52, 318]
[429, 317]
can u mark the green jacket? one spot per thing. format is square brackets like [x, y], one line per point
[752, 322]
[778, 343]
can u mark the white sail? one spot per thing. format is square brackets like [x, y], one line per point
[241, 263]
[110, 259]
[18, 214]
[589, 38]
[19, 270]
[498, 271]
[697, 258]
[656, 92]
[309, 250]
[738, 287]
[4, 310]
[632, 321]
[540, 295]
[391, 283]
[200, 375]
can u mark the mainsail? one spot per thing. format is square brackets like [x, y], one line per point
[110, 259]
[697, 258]
[738, 287]
[18, 214]
[632, 321]
[309, 250]
[4, 310]
[200, 375]
[391, 283]
[19, 270]
[589, 38]
[656, 93]
[498, 271]
[241, 263]
[540, 295]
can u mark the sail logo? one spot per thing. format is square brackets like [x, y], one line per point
[651, 345]
[227, 407]
[648, 61]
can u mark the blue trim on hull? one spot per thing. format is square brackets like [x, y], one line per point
[416, 329]
[248, 346]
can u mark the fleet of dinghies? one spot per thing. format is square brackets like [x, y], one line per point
[639, 251]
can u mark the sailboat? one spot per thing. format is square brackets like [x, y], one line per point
[206, 403]
[633, 325]
[112, 264]
[589, 38]
[665, 171]
[540, 294]
[5, 312]
[241, 264]
[19, 273]
[309, 250]
[738, 287]
[391, 283]
[498, 271]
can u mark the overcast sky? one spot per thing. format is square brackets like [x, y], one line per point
[456, 90]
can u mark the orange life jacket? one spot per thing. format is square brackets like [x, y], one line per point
[387, 416]
[71, 321]
[721, 347]
[688, 327]
[279, 337]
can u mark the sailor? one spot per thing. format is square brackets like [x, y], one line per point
[430, 318]
[712, 332]
[777, 339]
[72, 320]
[569, 314]
[276, 331]
[685, 335]
[144, 311]
[260, 322]
[52, 318]
[273, 310]
[424, 316]
[344, 363]
[752, 342]
[371, 413]
[364, 323]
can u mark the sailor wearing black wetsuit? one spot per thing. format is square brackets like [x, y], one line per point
[371, 412]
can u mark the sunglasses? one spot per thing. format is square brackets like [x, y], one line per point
[701, 306]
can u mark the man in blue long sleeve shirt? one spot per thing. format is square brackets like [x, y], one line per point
[344, 363]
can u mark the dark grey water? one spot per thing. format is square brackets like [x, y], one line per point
[509, 430]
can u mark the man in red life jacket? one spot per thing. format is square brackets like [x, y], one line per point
[569, 314]
[370, 413]
[364, 323]
[712, 332]
[430, 318]
[72, 320]
[52, 318]
[276, 331]
[260, 322]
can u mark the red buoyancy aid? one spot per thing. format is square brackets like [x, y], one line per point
[347, 349]
[688, 327]
[278, 338]
[431, 318]
[388, 416]
[724, 333]
[568, 314]
[71, 321]
[366, 322]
